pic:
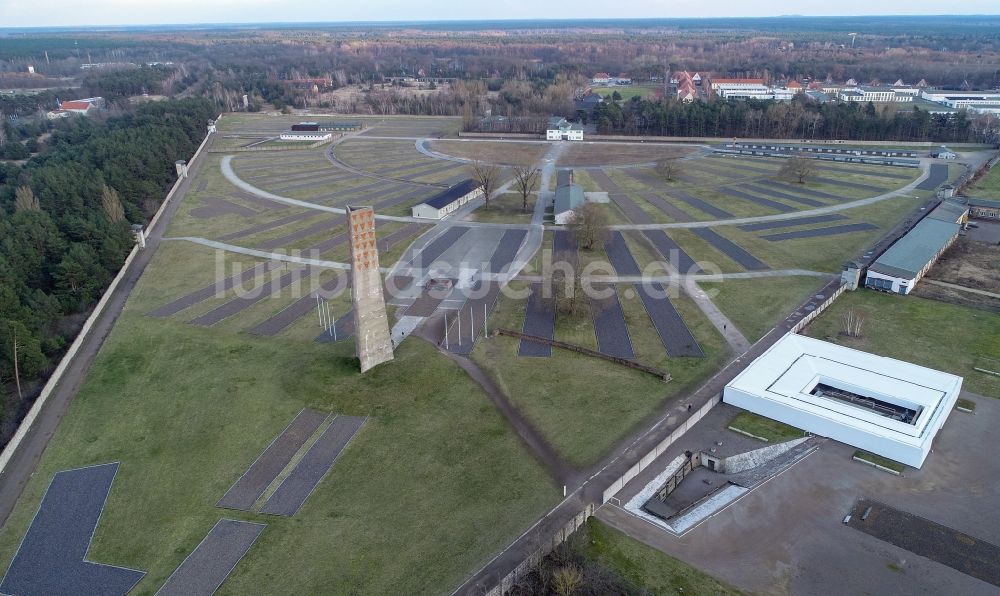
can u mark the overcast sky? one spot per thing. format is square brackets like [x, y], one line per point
[50, 13]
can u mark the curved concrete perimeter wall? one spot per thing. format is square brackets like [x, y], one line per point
[56, 376]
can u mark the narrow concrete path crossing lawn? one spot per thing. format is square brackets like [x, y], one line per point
[945, 284]
[558, 469]
[906, 191]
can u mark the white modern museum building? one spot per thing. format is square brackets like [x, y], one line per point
[885, 406]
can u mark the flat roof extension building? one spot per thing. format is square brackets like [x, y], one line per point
[882, 405]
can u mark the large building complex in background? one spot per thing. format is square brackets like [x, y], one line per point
[885, 406]
[974, 101]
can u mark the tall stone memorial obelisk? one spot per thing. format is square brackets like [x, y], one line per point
[372, 340]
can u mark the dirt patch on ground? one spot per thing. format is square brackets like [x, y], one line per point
[955, 296]
[970, 264]
[610, 154]
[505, 154]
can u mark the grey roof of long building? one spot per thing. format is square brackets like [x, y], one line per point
[450, 195]
[977, 202]
[568, 197]
[949, 211]
[915, 250]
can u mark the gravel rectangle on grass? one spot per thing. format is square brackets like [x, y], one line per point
[619, 255]
[241, 303]
[671, 251]
[731, 249]
[632, 211]
[783, 195]
[51, 558]
[252, 484]
[609, 324]
[315, 464]
[540, 320]
[780, 207]
[331, 226]
[816, 232]
[208, 291]
[211, 562]
[698, 203]
[669, 325]
[788, 223]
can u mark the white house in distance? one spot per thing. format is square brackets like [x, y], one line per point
[569, 197]
[448, 201]
[560, 129]
[885, 406]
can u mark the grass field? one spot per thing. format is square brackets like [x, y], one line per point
[926, 332]
[507, 154]
[610, 154]
[756, 305]
[647, 567]
[987, 187]
[431, 488]
[584, 405]
[505, 208]
[189, 411]
[825, 253]
[771, 431]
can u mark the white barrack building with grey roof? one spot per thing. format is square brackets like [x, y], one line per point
[885, 406]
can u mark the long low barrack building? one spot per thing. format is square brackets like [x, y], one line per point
[448, 201]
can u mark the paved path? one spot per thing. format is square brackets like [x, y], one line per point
[558, 469]
[945, 284]
[24, 460]
[672, 415]
[906, 191]
[455, 219]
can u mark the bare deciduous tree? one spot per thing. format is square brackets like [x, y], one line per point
[567, 580]
[589, 225]
[852, 322]
[25, 200]
[668, 168]
[525, 178]
[797, 168]
[567, 290]
[487, 176]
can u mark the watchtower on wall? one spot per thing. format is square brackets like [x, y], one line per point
[372, 340]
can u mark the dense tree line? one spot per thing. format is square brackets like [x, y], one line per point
[800, 119]
[65, 228]
[124, 82]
